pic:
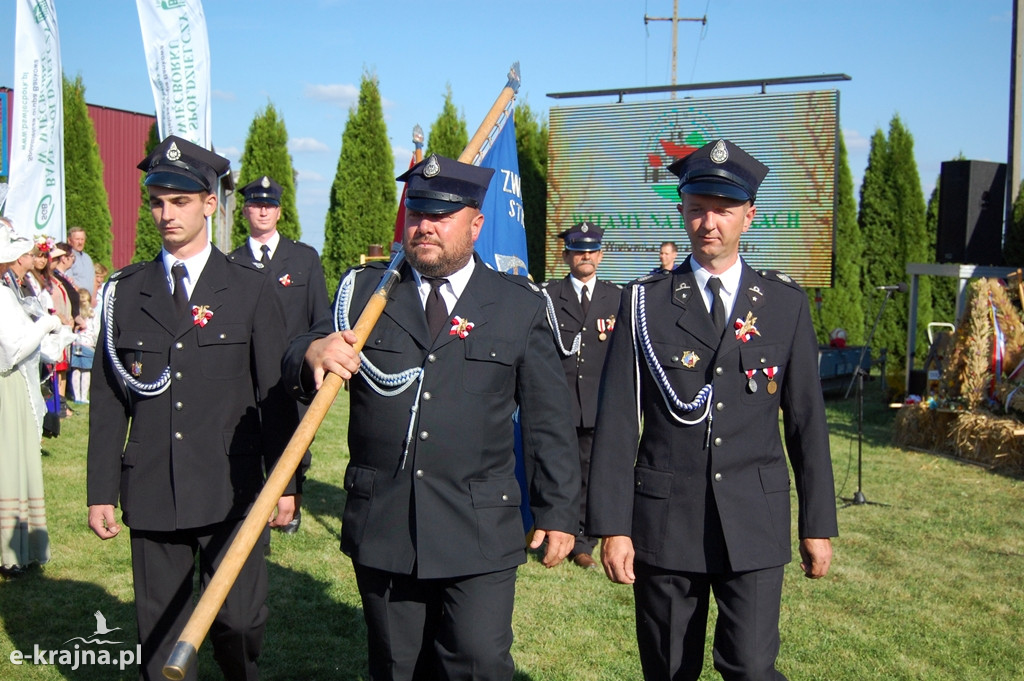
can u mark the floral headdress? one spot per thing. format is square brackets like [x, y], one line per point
[44, 244]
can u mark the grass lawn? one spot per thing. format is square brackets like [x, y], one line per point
[929, 586]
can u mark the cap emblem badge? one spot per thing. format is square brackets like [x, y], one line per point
[584, 228]
[720, 154]
[173, 153]
[432, 168]
[265, 182]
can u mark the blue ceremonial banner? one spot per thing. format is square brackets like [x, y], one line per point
[502, 245]
[502, 241]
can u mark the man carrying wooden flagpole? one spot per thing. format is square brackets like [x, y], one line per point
[455, 451]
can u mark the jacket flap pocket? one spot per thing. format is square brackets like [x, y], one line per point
[224, 334]
[759, 357]
[774, 478]
[651, 483]
[489, 350]
[359, 481]
[142, 341]
[492, 493]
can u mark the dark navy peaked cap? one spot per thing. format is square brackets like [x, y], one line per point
[263, 190]
[177, 163]
[720, 169]
[585, 236]
[439, 185]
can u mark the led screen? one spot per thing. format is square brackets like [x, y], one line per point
[608, 164]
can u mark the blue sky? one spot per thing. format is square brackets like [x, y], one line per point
[942, 65]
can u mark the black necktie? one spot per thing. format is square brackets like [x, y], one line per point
[179, 273]
[436, 308]
[585, 301]
[266, 256]
[717, 305]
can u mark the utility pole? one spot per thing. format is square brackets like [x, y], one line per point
[675, 19]
[1013, 153]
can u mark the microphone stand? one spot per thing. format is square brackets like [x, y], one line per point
[858, 498]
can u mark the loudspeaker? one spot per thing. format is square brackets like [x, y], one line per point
[971, 212]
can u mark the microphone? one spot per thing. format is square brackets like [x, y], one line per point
[899, 288]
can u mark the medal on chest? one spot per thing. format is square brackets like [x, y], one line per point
[605, 327]
[770, 373]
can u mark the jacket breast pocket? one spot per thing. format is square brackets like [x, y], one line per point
[488, 366]
[224, 350]
[651, 503]
[768, 364]
[143, 353]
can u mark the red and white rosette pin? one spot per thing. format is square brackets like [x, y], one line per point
[745, 329]
[460, 327]
[201, 314]
[285, 280]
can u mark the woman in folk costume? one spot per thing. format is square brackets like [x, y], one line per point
[23, 536]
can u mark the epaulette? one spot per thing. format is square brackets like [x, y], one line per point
[522, 280]
[245, 261]
[776, 275]
[602, 282]
[653, 276]
[304, 245]
[128, 270]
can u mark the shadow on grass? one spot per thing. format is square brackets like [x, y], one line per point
[50, 613]
[323, 503]
[311, 635]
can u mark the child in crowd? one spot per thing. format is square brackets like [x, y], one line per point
[84, 348]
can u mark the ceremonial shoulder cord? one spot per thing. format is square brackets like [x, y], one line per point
[135, 385]
[387, 385]
[553, 323]
[643, 344]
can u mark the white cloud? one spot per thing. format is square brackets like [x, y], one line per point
[855, 141]
[233, 153]
[342, 95]
[309, 175]
[300, 144]
[223, 95]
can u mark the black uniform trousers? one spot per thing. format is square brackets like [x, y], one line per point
[584, 544]
[671, 623]
[455, 628]
[163, 567]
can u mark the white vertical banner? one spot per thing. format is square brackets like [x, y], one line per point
[178, 55]
[35, 201]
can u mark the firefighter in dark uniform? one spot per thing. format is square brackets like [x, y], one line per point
[699, 502]
[431, 520]
[188, 415]
[298, 279]
[583, 309]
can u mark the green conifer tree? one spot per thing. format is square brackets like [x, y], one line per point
[892, 220]
[448, 135]
[266, 153]
[841, 305]
[532, 148]
[85, 196]
[880, 261]
[916, 246]
[363, 202]
[147, 238]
